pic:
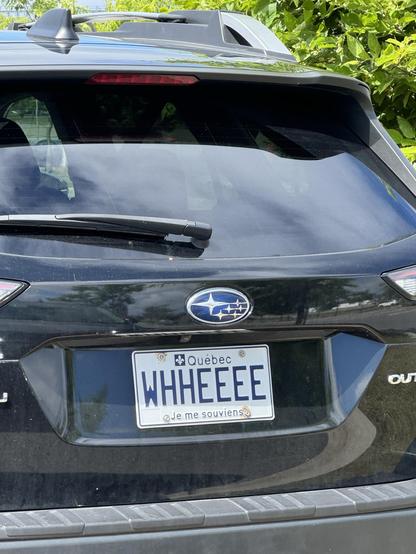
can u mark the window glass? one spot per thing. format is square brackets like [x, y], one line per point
[272, 173]
[34, 119]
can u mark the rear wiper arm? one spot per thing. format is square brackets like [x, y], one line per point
[130, 224]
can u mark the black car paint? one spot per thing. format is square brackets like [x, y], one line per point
[108, 285]
[140, 303]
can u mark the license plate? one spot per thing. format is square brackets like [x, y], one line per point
[202, 386]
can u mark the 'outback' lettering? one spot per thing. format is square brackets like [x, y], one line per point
[401, 378]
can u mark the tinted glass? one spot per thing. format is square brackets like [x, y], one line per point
[273, 172]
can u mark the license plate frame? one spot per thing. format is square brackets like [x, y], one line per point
[240, 391]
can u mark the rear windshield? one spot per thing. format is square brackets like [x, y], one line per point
[275, 172]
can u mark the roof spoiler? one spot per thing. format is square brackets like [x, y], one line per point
[203, 27]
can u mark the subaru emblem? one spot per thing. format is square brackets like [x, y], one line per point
[218, 306]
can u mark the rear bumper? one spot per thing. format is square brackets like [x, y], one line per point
[375, 519]
[386, 533]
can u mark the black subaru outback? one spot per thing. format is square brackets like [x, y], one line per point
[208, 286]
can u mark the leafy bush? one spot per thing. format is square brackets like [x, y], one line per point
[30, 9]
[373, 40]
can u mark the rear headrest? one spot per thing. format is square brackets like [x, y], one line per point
[11, 133]
[19, 170]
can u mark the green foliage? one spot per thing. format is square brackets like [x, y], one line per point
[373, 40]
[4, 21]
[35, 8]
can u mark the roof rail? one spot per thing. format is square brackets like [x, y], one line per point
[202, 27]
[125, 16]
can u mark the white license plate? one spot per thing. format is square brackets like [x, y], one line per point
[202, 385]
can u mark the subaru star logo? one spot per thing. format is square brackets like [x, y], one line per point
[218, 306]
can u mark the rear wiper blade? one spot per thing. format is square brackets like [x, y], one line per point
[130, 224]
